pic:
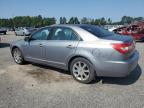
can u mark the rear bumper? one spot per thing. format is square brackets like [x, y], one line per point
[141, 39]
[118, 68]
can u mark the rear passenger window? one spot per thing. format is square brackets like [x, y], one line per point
[70, 35]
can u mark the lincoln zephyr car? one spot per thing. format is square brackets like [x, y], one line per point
[86, 51]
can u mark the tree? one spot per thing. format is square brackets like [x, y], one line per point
[52, 21]
[63, 20]
[109, 21]
[39, 21]
[71, 21]
[84, 20]
[74, 20]
[103, 21]
[36, 21]
[126, 20]
[139, 19]
[97, 22]
[92, 21]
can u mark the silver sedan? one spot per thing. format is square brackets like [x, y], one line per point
[86, 51]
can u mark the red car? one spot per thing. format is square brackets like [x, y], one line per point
[133, 30]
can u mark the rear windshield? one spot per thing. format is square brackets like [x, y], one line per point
[97, 31]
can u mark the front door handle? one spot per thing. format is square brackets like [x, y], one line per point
[41, 45]
[70, 46]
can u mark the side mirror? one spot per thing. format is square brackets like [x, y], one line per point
[26, 39]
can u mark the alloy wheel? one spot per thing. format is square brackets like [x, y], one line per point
[81, 71]
[17, 56]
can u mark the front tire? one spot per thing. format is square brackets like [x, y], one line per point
[82, 70]
[17, 55]
[24, 34]
[16, 34]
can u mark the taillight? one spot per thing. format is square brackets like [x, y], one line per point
[123, 48]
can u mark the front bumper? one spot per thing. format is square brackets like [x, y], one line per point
[26, 32]
[118, 68]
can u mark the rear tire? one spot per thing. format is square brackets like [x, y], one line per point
[82, 70]
[18, 57]
[16, 34]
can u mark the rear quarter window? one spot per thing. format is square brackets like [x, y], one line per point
[97, 31]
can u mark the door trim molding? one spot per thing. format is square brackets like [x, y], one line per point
[46, 61]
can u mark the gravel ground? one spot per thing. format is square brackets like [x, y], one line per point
[35, 86]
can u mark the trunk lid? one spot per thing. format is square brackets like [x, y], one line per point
[118, 37]
[126, 40]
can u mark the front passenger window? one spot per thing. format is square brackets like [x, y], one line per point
[41, 35]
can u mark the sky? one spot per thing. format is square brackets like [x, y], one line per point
[114, 9]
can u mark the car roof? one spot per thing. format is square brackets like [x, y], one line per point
[73, 26]
[85, 35]
[69, 25]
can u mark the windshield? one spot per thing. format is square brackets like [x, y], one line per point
[97, 31]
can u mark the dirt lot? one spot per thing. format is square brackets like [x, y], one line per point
[36, 86]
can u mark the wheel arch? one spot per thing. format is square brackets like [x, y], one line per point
[77, 56]
[14, 48]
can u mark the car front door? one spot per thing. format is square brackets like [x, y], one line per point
[36, 45]
[61, 45]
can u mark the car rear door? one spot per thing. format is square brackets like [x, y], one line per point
[61, 45]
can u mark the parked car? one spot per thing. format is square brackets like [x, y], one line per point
[86, 51]
[132, 30]
[24, 31]
[3, 30]
[111, 27]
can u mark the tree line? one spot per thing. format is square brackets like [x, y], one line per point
[27, 21]
[39, 21]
